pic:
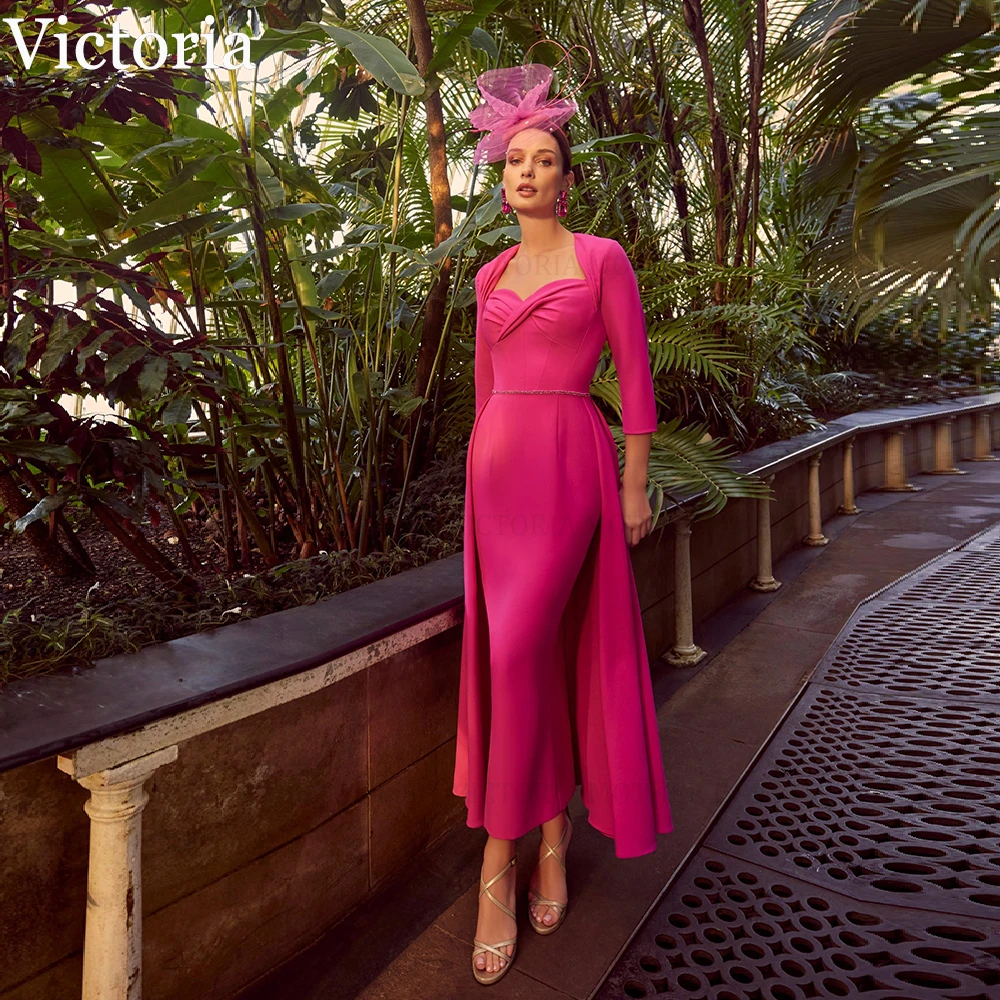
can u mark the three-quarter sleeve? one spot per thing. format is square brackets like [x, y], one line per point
[484, 363]
[625, 323]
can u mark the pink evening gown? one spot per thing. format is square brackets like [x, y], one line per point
[555, 688]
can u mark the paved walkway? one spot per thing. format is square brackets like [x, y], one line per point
[860, 855]
[414, 940]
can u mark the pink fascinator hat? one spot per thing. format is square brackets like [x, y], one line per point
[516, 98]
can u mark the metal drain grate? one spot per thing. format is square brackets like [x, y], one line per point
[896, 797]
[936, 634]
[860, 855]
[991, 544]
[942, 651]
[969, 578]
[987, 540]
[731, 931]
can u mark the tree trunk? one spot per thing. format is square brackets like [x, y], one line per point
[694, 18]
[746, 219]
[434, 312]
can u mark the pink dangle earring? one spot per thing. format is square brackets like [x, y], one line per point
[561, 204]
[504, 203]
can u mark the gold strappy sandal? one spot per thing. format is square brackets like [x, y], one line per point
[538, 900]
[480, 947]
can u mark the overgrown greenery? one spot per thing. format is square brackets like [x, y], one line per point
[31, 644]
[271, 284]
[898, 101]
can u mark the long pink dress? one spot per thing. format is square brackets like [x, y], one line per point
[555, 688]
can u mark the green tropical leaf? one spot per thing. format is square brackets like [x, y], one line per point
[61, 340]
[184, 199]
[18, 344]
[381, 58]
[853, 50]
[444, 49]
[279, 40]
[177, 411]
[152, 376]
[57, 454]
[174, 232]
[123, 360]
[683, 465]
[190, 126]
[73, 194]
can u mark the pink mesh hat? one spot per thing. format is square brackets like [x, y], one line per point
[516, 98]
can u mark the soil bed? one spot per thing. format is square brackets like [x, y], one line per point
[49, 623]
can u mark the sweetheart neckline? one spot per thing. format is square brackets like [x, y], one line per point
[555, 281]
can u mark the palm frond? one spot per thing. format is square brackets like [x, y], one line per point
[850, 51]
[683, 465]
[676, 347]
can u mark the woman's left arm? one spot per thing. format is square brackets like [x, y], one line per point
[625, 323]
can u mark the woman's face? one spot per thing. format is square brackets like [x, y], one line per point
[534, 165]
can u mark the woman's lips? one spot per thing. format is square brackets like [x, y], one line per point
[526, 190]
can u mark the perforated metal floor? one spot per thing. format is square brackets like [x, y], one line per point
[860, 854]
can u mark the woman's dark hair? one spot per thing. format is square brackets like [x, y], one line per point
[563, 143]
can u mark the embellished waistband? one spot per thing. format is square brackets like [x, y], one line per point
[566, 392]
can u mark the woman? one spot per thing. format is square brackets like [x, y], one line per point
[555, 688]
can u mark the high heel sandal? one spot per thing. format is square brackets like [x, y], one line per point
[559, 907]
[480, 947]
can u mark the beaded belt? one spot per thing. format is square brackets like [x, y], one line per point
[567, 392]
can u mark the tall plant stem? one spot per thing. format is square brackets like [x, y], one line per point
[292, 438]
[140, 548]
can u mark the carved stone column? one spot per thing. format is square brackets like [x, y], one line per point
[982, 438]
[815, 536]
[848, 506]
[112, 949]
[764, 581]
[895, 463]
[944, 450]
[684, 652]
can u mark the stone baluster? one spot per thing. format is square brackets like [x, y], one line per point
[684, 653]
[895, 462]
[112, 949]
[848, 506]
[944, 449]
[764, 581]
[983, 437]
[815, 536]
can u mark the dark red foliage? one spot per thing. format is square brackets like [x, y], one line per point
[93, 348]
[133, 91]
[22, 148]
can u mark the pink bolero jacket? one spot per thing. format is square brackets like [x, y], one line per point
[617, 318]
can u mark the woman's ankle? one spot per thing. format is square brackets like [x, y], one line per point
[498, 853]
[501, 848]
[558, 824]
